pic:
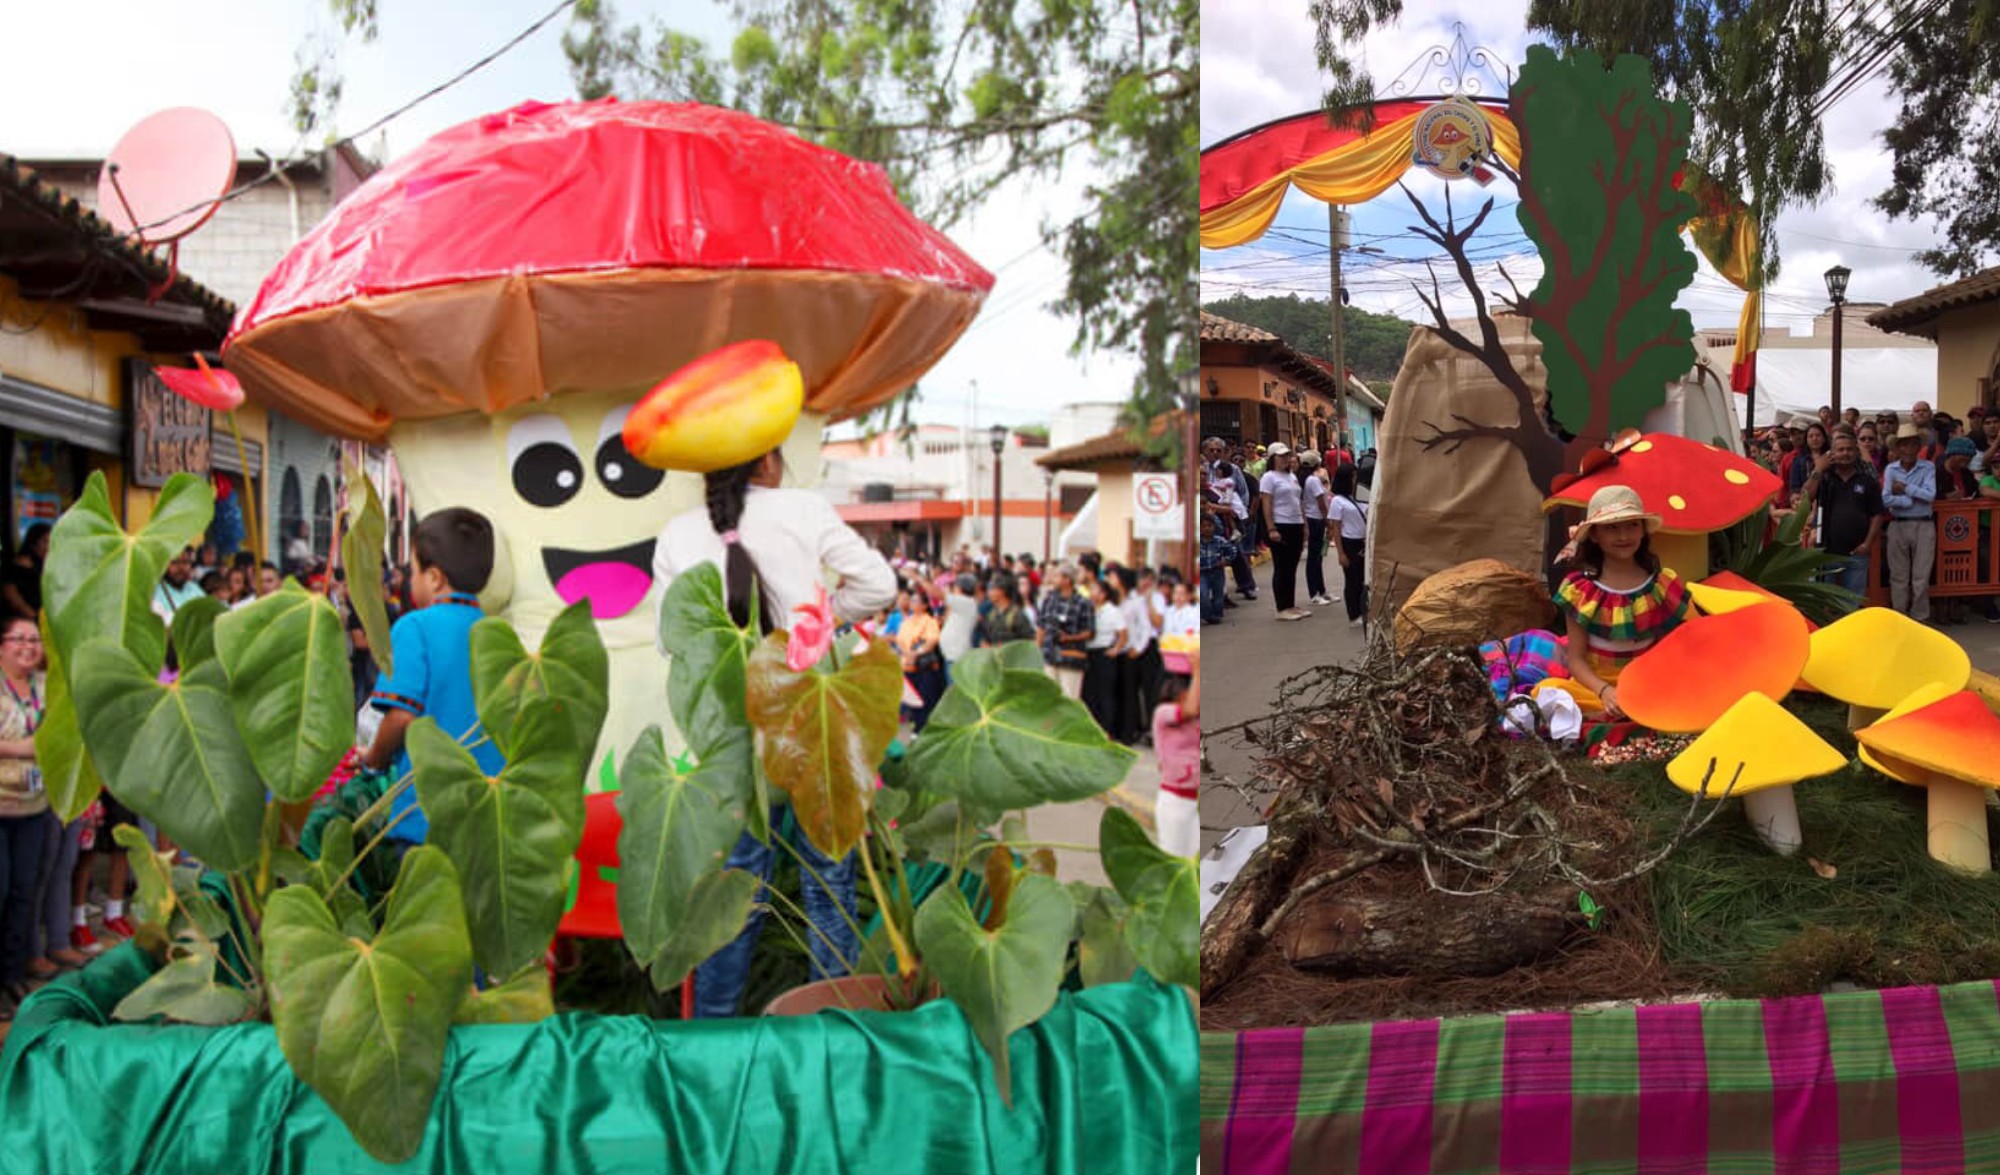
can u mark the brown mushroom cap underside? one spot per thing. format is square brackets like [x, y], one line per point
[485, 346]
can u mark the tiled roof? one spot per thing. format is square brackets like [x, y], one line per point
[58, 249]
[1919, 315]
[1219, 329]
[1116, 445]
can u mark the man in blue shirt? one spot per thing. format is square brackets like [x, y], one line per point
[433, 655]
[1909, 487]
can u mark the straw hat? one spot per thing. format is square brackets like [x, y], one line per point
[1614, 504]
[1909, 432]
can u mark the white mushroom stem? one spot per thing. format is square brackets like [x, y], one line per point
[1958, 824]
[1859, 715]
[1775, 815]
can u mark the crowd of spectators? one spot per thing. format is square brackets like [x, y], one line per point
[1872, 486]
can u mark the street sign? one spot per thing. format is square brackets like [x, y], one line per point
[1156, 508]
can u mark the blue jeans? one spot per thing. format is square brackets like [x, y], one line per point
[1214, 589]
[1851, 574]
[718, 983]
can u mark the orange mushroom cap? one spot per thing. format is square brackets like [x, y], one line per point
[1957, 737]
[1726, 591]
[1698, 671]
[1695, 488]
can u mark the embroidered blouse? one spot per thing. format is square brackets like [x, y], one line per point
[1621, 624]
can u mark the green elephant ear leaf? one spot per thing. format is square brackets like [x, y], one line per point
[193, 631]
[361, 553]
[290, 687]
[820, 736]
[363, 1022]
[336, 855]
[172, 752]
[186, 991]
[153, 871]
[99, 583]
[1004, 978]
[67, 771]
[1006, 737]
[1164, 891]
[524, 999]
[1103, 954]
[677, 825]
[511, 836]
[571, 668]
[705, 679]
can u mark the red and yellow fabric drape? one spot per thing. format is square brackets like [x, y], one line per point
[1244, 180]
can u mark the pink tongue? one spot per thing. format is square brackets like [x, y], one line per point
[614, 588]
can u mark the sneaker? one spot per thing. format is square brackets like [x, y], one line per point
[1322, 600]
[1293, 614]
[82, 940]
[120, 927]
[1357, 622]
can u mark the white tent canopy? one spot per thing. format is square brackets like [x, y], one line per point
[1081, 533]
[1874, 379]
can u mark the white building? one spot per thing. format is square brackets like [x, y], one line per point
[932, 492]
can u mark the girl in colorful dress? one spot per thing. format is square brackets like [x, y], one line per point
[1619, 600]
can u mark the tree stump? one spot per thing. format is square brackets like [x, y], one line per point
[1428, 934]
[1232, 931]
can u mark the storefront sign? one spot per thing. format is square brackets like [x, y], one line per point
[169, 435]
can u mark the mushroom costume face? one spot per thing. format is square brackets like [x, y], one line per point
[1696, 489]
[495, 302]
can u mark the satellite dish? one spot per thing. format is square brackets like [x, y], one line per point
[167, 175]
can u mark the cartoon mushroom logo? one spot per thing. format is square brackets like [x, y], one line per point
[1948, 742]
[495, 302]
[1695, 488]
[1757, 750]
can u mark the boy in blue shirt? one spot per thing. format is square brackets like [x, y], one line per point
[433, 655]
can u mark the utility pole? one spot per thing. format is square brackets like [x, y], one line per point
[1336, 220]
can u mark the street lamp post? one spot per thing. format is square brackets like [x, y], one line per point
[1048, 514]
[1836, 289]
[999, 432]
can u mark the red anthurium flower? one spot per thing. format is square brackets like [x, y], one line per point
[216, 390]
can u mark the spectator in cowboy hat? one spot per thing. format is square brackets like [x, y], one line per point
[1909, 488]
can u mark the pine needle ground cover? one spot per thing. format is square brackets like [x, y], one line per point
[1374, 757]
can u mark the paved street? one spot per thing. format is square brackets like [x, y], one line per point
[1077, 823]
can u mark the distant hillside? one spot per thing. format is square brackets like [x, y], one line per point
[1374, 341]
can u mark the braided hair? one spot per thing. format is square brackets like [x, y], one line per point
[726, 491]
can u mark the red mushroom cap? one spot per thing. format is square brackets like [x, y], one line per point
[597, 246]
[1694, 488]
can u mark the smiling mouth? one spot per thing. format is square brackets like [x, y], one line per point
[613, 581]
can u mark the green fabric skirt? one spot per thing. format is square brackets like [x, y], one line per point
[1105, 1084]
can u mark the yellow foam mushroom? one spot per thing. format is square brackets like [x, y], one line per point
[1765, 749]
[1875, 657]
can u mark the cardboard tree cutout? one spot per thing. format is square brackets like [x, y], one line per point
[495, 302]
[1601, 155]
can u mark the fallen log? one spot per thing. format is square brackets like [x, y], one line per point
[1234, 928]
[1426, 933]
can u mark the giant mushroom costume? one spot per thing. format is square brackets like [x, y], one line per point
[1695, 488]
[493, 303]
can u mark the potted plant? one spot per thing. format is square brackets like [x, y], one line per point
[801, 713]
[369, 1002]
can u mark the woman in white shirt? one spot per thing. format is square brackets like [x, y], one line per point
[1103, 654]
[1184, 614]
[1138, 662]
[1312, 482]
[1280, 500]
[1353, 536]
[780, 544]
[961, 619]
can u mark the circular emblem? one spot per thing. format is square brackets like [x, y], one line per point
[1957, 528]
[1451, 138]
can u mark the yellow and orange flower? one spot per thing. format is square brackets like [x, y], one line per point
[727, 407]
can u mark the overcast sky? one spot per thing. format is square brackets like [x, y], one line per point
[1257, 64]
[76, 78]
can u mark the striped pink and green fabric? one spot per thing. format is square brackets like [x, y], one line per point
[1906, 1080]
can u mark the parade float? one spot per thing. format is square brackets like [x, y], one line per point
[1750, 927]
[497, 305]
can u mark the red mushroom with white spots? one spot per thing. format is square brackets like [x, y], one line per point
[1695, 488]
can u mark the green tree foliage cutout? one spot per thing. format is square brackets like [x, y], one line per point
[1599, 151]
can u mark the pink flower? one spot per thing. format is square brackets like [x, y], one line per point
[812, 634]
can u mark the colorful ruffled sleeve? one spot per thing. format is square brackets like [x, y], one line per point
[1576, 598]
